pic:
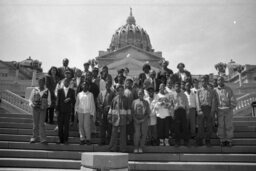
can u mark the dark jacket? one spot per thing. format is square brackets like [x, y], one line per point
[63, 107]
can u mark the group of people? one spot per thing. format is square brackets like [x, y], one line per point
[150, 109]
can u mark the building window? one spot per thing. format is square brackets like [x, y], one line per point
[3, 74]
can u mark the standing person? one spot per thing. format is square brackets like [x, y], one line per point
[106, 75]
[64, 108]
[93, 88]
[226, 102]
[104, 102]
[195, 86]
[181, 109]
[119, 115]
[98, 80]
[162, 108]
[152, 121]
[86, 68]
[51, 82]
[193, 107]
[85, 109]
[207, 107]
[61, 82]
[65, 68]
[140, 113]
[39, 100]
[183, 74]
[154, 80]
[131, 95]
[164, 69]
[145, 75]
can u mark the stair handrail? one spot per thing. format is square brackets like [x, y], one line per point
[16, 100]
[244, 102]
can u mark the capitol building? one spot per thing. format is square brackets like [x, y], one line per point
[130, 47]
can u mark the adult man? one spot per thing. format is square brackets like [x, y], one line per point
[65, 68]
[226, 102]
[183, 74]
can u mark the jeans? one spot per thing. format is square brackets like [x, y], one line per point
[140, 133]
[163, 126]
[205, 118]
[192, 121]
[225, 125]
[38, 124]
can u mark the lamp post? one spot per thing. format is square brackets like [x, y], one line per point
[239, 69]
[221, 68]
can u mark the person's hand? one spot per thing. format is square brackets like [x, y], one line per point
[66, 100]
[32, 105]
[200, 112]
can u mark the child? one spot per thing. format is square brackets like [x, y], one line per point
[152, 128]
[162, 107]
[130, 93]
[40, 100]
[104, 102]
[207, 107]
[85, 109]
[140, 114]
[181, 109]
[226, 102]
[119, 115]
[193, 106]
[64, 108]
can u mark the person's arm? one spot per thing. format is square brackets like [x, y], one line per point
[214, 101]
[92, 107]
[232, 98]
[49, 99]
[199, 110]
[31, 98]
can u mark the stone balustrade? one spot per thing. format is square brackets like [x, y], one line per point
[244, 103]
[16, 100]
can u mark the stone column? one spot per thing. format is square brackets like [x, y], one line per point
[104, 161]
[16, 75]
[33, 83]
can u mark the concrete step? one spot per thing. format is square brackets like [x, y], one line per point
[75, 133]
[244, 118]
[34, 169]
[50, 139]
[76, 140]
[40, 163]
[148, 149]
[15, 115]
[155, 157]
[29, 132]
[189, 166]
[244, 123]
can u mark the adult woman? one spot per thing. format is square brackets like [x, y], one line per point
[52, 80]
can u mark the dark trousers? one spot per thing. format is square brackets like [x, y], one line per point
[63, 125]
[180, 125]
[114, 138]
[130, 133]
[49, 114]
[163, 126]
[205, 120]
[105, 129]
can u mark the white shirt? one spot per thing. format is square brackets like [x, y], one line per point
[78, 80]
[85, 103]
[36, 89]
[65, 90]
[102, 85]
[162, 111]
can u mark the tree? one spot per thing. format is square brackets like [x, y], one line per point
[221, 68]
[239, 69]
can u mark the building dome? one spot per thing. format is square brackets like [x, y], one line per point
[130, 34]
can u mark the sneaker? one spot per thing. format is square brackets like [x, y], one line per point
[166, 142]
[82, 142]
[222, 143]
[208, 143]
[33, 140]
[228, 143]
[140, 150]
[44, 142]
[88, 142]
[161, 142]
[135, 150]
[56, 129]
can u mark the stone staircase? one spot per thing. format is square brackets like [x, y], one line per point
[17, 153]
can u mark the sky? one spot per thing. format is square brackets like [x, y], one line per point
[199, 33]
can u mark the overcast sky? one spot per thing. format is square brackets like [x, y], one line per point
[199, 33]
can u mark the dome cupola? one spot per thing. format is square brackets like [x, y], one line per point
[130, 34]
